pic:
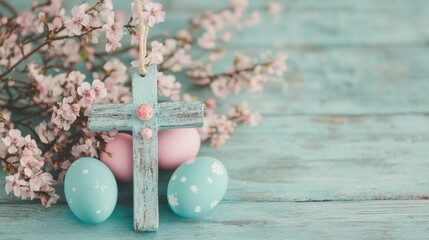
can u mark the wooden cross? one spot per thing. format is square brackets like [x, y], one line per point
[144, 117]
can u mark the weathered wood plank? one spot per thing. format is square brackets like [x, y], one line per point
[235, 220]
[145, 154]
[343, 81]
[117, 115]
[311, 22]
[299, 158]
[180, 115]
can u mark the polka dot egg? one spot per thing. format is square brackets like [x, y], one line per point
[197, 186]
[90, 189]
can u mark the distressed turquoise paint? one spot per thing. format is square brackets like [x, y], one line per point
[346, 133]
[123, 117]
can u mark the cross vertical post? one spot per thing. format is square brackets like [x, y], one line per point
[144, 117]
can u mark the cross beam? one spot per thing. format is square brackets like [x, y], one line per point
[144, 117]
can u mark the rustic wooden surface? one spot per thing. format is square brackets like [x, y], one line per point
[341, 152]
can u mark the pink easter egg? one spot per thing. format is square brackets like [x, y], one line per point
[121, 160]
[176, 146]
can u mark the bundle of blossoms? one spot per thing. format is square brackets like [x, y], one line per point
[54, 64]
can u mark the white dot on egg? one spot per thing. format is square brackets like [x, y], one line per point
[174, 177]
[85, 171]
[71, 200]
[210, 180]
[98, 211]
[73, 189]
[183, 179]
[194, 188]
[197, 209]
[106, 206]
[213, 204]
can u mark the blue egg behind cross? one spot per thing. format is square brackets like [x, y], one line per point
[197, 186]
[90, 189]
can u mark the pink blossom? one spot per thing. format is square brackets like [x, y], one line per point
[13, 141]
[218, 128]
[51, 198]
[107, 4]
[25, 21]
[86, 147]
[185, 37]
[79, 19]
[46, 135]
[116, 69]
[70, 52]
[114, 32]
[74, 78]
[87, 94]
[6, 115]
[243, 112]
[153, 14]
[178, 61]
[54, 9]
[30, 161]
[14, 182]
[42, 182]
[168, 87]
[210, 106]
[278, 65]
[169, 46]
[220, 87]
[99, 89]
[65, 113]
[217, 140]
[207, 40]
[155, 55]
[32, 145]
[90, 94]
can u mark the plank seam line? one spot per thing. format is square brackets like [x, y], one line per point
[253, 201]
[351, 115]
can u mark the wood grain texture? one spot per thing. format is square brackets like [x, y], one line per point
[145, 154]
[270, 220]
[341, 152]
[111, 117]
[180, 115]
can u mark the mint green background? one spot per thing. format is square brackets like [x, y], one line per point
[341, 153]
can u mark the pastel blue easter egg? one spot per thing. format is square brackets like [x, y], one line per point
[197, 186]
[90, 189]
